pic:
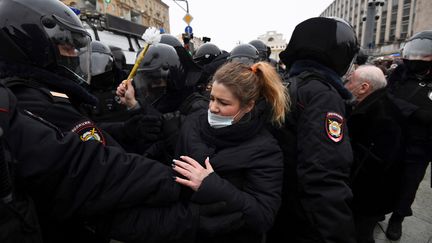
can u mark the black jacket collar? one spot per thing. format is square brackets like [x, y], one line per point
[327, 74]
[51, 80]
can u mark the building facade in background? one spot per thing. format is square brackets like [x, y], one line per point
[397, 21]
[275, 41]
[144, 12]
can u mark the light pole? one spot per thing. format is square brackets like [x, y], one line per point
[372, 15]
[188, 35]
[187, 5]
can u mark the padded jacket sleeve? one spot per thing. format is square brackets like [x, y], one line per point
[73, 178]
[324, 162]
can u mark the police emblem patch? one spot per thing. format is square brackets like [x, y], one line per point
[87, 131]
[334, 126]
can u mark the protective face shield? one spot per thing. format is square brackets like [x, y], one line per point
[101, 63]
[102, 66]
[151, 85]
[45, 34]
[72, 49]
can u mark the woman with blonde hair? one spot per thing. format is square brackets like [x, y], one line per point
[231, 157]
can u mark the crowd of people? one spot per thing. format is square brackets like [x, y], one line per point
[215, 146]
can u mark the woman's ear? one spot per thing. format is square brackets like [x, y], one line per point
[250, 106]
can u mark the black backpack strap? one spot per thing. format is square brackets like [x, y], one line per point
[293, 84]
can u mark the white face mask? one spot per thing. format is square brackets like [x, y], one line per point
[218, 121]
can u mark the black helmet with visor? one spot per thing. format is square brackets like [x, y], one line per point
[262, 49]
[330, 41]
[244, 53]
[417, 53]
[160, 72]
[46, 34]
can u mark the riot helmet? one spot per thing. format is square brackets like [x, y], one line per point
[362, 57]
[262, 49]
[102, 66]
[206, 53]
[244, 53]
[170, 40]
[417, 53]
[119, 57]
[46, 34]
[329, 41]
[160, 72]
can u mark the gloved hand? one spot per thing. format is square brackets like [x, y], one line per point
[171, 129]
[145, 127]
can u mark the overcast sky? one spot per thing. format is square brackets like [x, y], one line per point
[228, 22]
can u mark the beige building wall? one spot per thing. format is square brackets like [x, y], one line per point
[423, 16]
[399, 20]
[145, 12]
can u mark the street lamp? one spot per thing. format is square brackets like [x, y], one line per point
[372, 15]
[187, 5]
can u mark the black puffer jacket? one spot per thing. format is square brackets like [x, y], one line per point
[248, 172]
[378, 134]
[318, 157]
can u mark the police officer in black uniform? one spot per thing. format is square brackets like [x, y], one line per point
[165, 86]
[412, 83]
[45, 59]
[210, 57]
[316, 196]
[103, 85]
[66, 179]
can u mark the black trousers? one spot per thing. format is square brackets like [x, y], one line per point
[412, 176]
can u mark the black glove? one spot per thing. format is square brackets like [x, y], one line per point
[145, 127]
[171, 123]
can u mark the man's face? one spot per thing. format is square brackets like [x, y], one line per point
[351, 84]
[67, 50]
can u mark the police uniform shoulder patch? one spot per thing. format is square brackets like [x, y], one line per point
[87, 131]
[334, 126]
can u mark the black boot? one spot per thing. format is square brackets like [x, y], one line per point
[394, 228]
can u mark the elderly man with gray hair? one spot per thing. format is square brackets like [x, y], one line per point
[376, 128]
[365, 80]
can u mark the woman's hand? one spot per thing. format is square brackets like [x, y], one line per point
[126, 92]
[192, 170]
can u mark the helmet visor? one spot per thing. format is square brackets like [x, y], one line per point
[101, 63]
[418, 49]
[72, 51]
[150, 84]
[244, 60]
